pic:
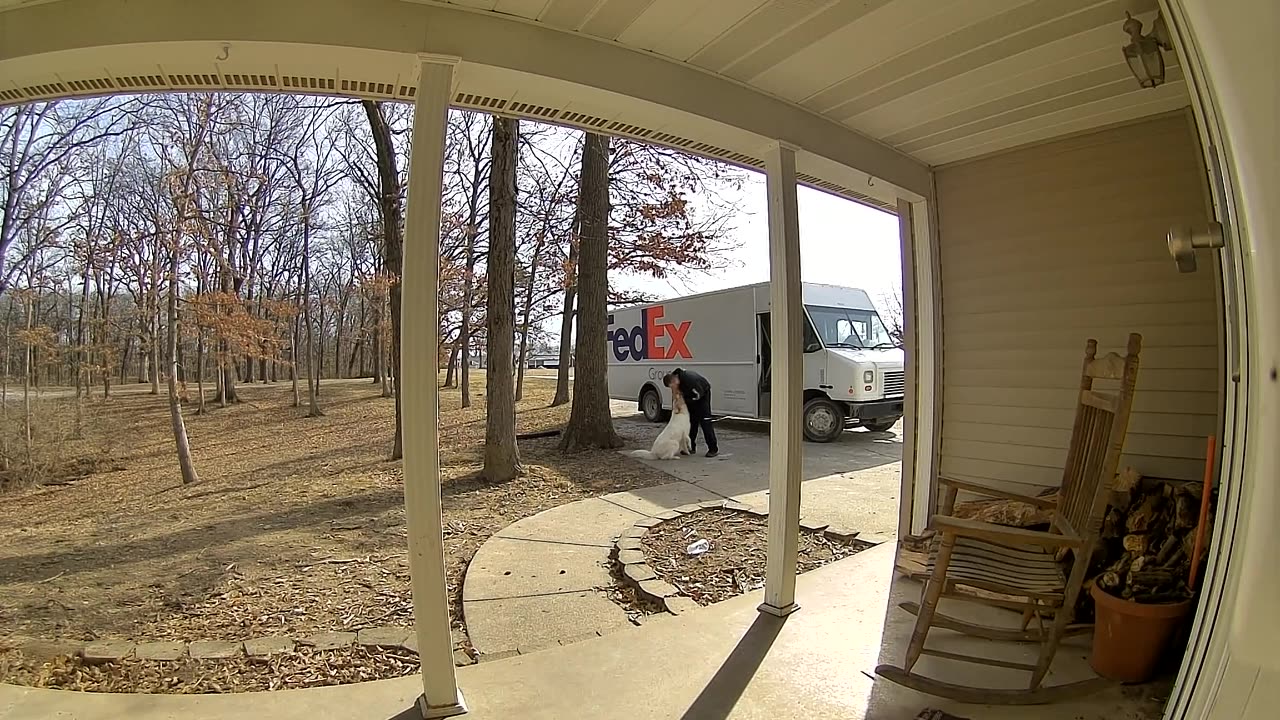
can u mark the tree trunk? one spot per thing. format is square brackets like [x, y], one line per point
[501, 454]
[377, 343]
[151, 366]
[337, 334]
[200, 370]
[313, 371]
[523, 364]
[393, 245]
[124, 357]
[4, 389]
[293, 361]
[81, 356]
[188, 468]
[26, 391]
[464, 332]
[451, 372]
[153, 369]
[566, 322]
[384, 349]
[590, 422]
[227, 366]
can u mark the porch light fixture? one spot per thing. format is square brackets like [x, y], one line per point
[1146, 62]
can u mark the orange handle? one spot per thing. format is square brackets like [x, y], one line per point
[1210, 451]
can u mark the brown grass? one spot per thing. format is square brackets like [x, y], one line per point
[297, 525]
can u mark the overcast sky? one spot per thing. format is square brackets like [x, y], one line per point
[841, 243]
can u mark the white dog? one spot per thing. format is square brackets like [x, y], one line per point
[674, 438]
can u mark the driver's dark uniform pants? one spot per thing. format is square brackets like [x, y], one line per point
[700, 416]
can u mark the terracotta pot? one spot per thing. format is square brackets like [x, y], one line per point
[1130, 637]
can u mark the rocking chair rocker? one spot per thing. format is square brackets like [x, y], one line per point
[1024, 564]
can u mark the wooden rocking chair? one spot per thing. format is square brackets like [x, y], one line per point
[1023, 565]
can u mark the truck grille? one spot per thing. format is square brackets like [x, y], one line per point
[895, 382]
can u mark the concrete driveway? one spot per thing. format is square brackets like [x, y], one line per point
[854, 480]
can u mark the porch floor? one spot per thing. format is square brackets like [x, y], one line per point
[726, 661]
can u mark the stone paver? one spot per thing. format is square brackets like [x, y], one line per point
[383, 636]
[540, 621]
[507, 568]
[639, 573]
[213, 649]
[164, 651]
[43, 650]
[657, 589]
[679, 604]
[264, 647]
[630, 557]
[329, 640]
[107, 651]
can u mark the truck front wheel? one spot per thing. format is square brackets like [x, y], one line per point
[651, 406]
[882, 424]
[823, 420]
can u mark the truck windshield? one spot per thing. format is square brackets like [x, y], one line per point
[850, 328]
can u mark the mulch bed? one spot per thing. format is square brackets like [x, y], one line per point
[735, 563]
[302, 668]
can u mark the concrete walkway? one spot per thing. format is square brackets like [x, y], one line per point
[536, 584]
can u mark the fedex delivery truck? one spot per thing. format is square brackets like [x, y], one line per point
[852, 369]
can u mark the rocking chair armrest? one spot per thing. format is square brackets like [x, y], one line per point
[1040, 502]
[978, 529]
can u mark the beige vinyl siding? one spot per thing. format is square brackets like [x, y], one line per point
[1045, 247]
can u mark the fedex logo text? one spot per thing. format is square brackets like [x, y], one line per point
[642, 341]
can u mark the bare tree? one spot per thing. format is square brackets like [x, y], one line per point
[185, 463]
[546, 182]
[471, 137]
[590, 422]
[891, 312]
[185, 125]
[310, 163]
[37, 142]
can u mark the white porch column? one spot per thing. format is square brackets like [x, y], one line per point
[420, 398]
[787, 331]
[921, 315]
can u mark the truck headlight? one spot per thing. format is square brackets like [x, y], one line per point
[868, 376]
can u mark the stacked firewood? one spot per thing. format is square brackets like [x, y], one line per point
[1148, 538]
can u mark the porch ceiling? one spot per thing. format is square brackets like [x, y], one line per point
[941, 81]
[870, 91]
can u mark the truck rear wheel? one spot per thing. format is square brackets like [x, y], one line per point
[823, 420]
[651, 406]
[882, 424]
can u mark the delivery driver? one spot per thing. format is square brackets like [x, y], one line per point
[696, 391]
